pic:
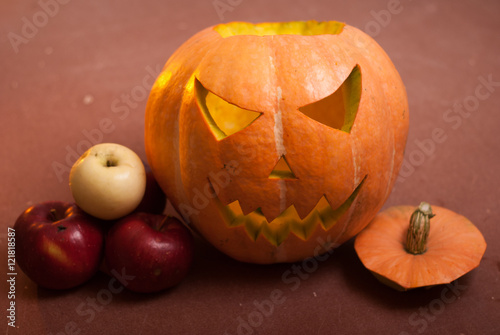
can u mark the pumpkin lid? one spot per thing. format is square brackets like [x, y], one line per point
[454, 247]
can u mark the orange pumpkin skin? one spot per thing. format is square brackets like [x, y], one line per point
[277, 77]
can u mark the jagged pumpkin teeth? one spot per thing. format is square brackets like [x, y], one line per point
[278, 228]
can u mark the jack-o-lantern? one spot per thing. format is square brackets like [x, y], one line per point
[277, 141]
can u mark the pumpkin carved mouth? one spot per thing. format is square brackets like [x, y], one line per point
[278, 229]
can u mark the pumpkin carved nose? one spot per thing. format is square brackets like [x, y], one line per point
[282, 170]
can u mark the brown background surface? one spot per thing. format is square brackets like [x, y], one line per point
[86, 57]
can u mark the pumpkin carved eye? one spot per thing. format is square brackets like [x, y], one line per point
[224, 118]
[338, 110]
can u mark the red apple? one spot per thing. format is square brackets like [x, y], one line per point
[58, 245]
[153, 252]
[154, 200]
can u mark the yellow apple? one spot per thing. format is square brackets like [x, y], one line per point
[108, 181]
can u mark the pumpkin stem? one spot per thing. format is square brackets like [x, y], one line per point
[416, 238]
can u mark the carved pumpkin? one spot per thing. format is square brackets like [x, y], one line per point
[277, 141]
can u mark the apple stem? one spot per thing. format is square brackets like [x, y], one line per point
[53, 214]
[418, 232]
[163, 223]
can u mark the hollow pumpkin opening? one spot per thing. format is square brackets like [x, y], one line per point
[304, 28]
